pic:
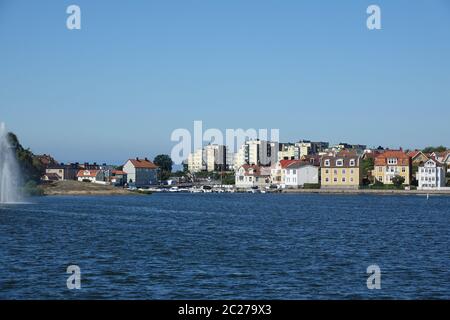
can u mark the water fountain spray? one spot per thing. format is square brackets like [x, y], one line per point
[10, 178]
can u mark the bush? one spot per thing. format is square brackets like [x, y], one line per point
[311, 186]
[398, 181]
[229, 179]
[32, 189]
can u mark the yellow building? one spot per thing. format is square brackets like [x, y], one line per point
[392, 163]
[341, 171]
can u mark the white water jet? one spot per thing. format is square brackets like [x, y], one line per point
[10, 178]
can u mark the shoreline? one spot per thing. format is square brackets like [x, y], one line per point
[369, 191]
[120, 192]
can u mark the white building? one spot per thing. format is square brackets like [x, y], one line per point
[215, 157]
[431, 175]
[288, 151]
[257, 152]
[141, 172]
[211, 158]
[277, 172]
[298, 173]
[307, 147]
[95, 176]
[250, 176]
[196, 161]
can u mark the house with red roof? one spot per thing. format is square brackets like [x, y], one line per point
[392, 163]
[141, 172]
[417, 157]
[118, 177]
[95, 176]
[277, 172]
[251, 176]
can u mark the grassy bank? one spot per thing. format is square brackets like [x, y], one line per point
[81, 188]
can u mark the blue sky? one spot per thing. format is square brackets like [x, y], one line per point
[137, 70]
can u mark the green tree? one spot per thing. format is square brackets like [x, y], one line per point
[165, 163]
[434, 149]
[398, 181]
[367, 166]
[31, 168]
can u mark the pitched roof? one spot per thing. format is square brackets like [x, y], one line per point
[52, 176]
[118, 172]
[257, 170]
[346, 157]
[413, 153]
[313, 159]
[402, 158]
[285, 163]
[87, 173]
[437, 162]
[143, 164]
[298, 164]
[446, 159]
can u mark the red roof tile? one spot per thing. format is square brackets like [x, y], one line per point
[402, 158]
[144, 164]
[87, 173]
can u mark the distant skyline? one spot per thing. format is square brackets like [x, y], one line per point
[138, 70]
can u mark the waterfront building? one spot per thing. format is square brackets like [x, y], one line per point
[341, 170]
[431, 175]
[299, 173]
[50, 177]
[196, 162]
[141, 172]
[251, 176]
[118, 177]
[95, 176]
[277, 172]
[64, 171]
[392, 163]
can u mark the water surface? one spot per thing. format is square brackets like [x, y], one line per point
[226, 246]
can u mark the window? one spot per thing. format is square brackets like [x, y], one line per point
[352, 162]
[327, 171]
[343, 171]
[380, 178]
[335, 171]
[351, 171]
[294, 171]
[327, 163]
[335, 179]
[380, 169]
[343, 179]
[327, 180]
[392, 160]
[339, 163]
[403, 169]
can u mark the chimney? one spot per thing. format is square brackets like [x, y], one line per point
[146, 159]
[137, 158]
